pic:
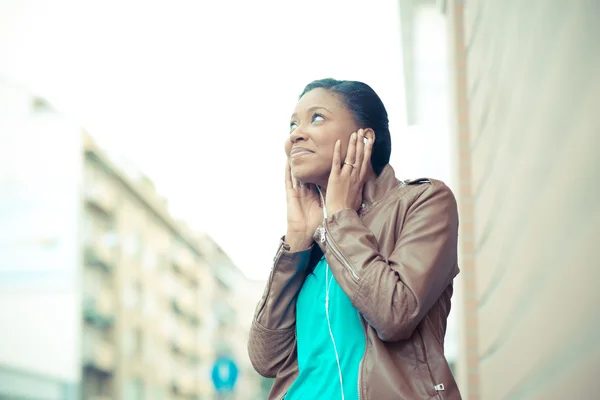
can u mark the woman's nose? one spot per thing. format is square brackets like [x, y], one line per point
[297, 135]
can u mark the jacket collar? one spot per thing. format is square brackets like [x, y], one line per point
[375, 189]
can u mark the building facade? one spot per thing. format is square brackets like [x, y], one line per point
[526, 93]
[103, 294]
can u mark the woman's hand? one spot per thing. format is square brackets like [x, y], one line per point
[346, 181]
[304, 212]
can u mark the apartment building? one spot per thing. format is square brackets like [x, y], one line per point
[103, 295]
[140, 258]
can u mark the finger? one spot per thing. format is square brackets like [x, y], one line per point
[288, 175]
[351, 153]
[366, 158]
[336, 164]
[360, 152]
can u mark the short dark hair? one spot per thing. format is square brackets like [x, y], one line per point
[368, 111]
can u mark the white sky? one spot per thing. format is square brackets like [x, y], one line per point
[198, 94]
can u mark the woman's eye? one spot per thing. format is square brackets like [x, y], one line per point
[318, 118]
[293, 126]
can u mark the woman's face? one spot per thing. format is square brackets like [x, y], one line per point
[318, 121]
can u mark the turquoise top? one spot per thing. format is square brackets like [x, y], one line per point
[319, 377]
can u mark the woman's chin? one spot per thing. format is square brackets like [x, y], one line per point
[303, 178]
[308, 175]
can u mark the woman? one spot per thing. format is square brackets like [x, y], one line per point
[358, 297]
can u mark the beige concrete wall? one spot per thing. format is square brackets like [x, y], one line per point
[532, 151]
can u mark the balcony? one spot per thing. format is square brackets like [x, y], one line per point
[225, 279]
[100, 196]
[188, 301]
[99, 306]
[183, 341]
[183, 303]
[99, 253]
[97, 352]
[187, 383]
[184, 262]
[183, 380]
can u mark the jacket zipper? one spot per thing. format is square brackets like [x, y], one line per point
[336, 250]
[334, 247]
[337, 253]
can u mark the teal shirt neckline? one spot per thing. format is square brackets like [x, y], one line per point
[318, 376]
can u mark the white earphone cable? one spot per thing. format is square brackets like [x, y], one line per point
[337, 358]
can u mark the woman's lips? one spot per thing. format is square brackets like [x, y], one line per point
[299, 152]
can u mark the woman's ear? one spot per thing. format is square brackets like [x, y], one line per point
[369, 134]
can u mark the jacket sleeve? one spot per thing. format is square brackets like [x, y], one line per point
[394, 295]
[272, 334]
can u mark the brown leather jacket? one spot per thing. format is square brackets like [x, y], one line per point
[396, 259]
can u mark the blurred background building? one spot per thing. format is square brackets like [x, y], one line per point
[103, 295]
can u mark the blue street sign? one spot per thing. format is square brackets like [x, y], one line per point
[224, 374]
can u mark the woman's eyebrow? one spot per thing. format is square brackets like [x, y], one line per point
[318, 108]
[314, 108]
